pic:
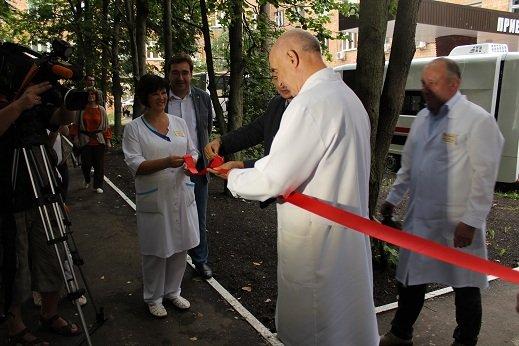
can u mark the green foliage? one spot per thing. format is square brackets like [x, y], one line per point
[315, 15]
[392, 254]
[510, 195]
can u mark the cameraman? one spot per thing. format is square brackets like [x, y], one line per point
[21, 229]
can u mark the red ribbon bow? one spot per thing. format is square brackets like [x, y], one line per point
[216, 162]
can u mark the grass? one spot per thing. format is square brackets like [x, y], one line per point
[510, 195]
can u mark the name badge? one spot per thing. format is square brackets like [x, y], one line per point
[450, 138]
[179, 133]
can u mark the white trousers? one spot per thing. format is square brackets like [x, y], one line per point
[162, 276]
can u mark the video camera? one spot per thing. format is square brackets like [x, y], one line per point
[21, 67]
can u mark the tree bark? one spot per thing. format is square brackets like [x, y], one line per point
[168, 36]
[117, 89]
[235, 106]
[210, 69]
[77, 11]
[402, 52]
[373, 16]
[140, 33]
[104, 48]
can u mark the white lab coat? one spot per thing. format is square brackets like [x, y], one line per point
[167, 220]
[324, 270]
[450, 176]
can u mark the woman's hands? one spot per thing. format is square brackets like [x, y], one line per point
[176, 161]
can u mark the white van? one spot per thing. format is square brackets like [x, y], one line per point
[490, 78]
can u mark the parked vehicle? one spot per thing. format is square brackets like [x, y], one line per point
[490, 78]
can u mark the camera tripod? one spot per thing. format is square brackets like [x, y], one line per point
[56, 223]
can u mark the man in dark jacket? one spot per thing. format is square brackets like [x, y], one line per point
[194, 106]
[262, 129]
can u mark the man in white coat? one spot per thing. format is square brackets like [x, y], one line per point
[322, 150]
[449, 166]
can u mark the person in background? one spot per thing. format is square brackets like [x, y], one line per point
[154, 145]
[92, 135]
[194, 106]
[262, 129]
[90, 82]
[449, 167]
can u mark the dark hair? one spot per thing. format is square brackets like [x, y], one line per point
[148, 84]
[94, 91]
[180, 58]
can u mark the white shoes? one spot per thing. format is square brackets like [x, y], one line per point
[99, 190]
[86, 185]
[179, 302]
[157, 310]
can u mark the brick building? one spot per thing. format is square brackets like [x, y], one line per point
[445, 24]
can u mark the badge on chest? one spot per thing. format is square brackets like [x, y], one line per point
[450, 138]
[179, 133]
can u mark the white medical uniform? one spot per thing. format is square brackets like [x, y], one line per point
[322, 149]
[167, 221]
[450, 171]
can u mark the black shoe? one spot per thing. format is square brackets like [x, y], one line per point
[204, 270]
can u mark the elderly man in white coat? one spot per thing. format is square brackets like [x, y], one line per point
[321, 149]
[449, 166]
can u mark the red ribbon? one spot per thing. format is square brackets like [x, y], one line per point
[403, 239]
[216, 162]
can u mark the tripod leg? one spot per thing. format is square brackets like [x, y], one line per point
[70, 283]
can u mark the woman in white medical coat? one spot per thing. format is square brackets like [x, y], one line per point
[154, 145]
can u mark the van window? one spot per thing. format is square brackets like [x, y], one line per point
[413, 102]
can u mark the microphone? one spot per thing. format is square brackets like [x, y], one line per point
[66, 72]
[62, 71]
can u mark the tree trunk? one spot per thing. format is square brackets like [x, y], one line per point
[235, 107]
[210, 69]
[140, 31]
[168, 36]
[140, 40]
[130, 20]
[117, 89]
[105, 52]
[263, 19]
[402, 52]
[373, 16]
[77, 11]
[90, 38]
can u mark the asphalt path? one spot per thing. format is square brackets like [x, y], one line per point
[104, 228]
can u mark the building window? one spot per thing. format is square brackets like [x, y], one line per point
[514, 6]
[350, 43]
[279, 18]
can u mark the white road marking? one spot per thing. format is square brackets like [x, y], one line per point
[253, 321]
[270, 337]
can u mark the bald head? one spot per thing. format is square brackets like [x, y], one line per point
[294, 57]
[298, 40]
